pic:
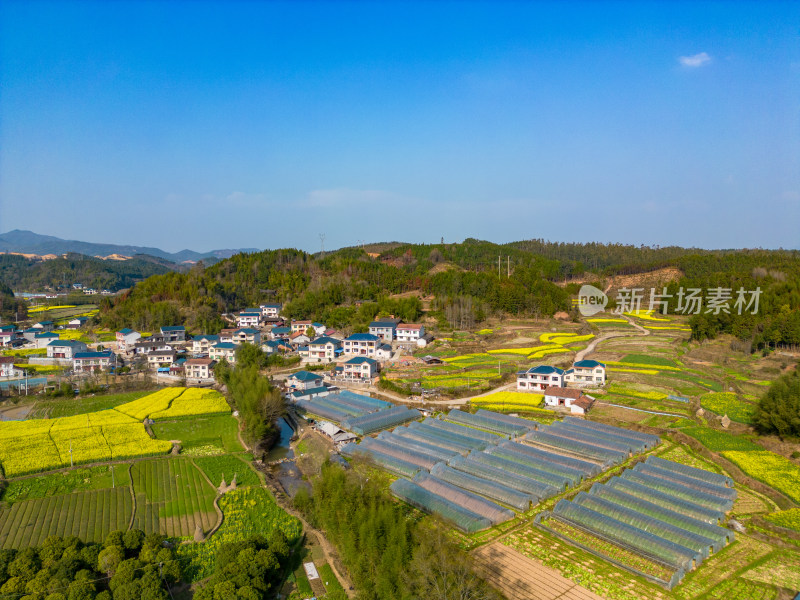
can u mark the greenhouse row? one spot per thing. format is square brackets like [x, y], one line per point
[664, 522]
[343, 405]
[390, 463]
[421, 498]
[384, 419]
[553, 441]
[486, 421]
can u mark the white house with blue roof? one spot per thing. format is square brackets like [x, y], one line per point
[65, 348]
[220, 350]
[249, 318]
[202, 343]
[362, 344]
[304, 380]
[126, 338]
[174, 333]
[586, 372]
[271, 310]
[360, 369]
[42, 339]
[324, 349]
[539, 378]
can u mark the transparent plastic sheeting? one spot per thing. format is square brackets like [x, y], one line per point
[491, 438]
[465, 418]
[701, 486]
[323, 411]
[486, 487]
[347, 405]
[693, 472]
[518, 482]
[719, 535]
[390, 463]
[573, 475]
[352, 411]
[519, 421]
[429, 449]
[679, 491]
[627, 536]
[472, 502]
[589, 469]
[691, 509]
[431, 438]
[412, 456]
[694, 541]
[421, 498]
[651, 440]
[632, 445]
[557, 481]
[587, 437]
[381, 420]
[358, 399]
[469, 442]
[555, 441]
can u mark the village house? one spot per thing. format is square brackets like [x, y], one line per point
[270, 310]
[30, 334]
[8, 337]
[77, 322]
[298, 338]
[304, 380]
[586, 372]
[246, 335]
[383, 352]
[220, 350]
[43, 326]
[174, 333]
[199, 368]
[575, 400]
[319, 328]
[273, 346]
[226, 336]
[408, 332]
[280, 333]
[160, 358]
[42, 339]
[384, 328]
[249, 318]
[324, 349]
[148, 345]
[201, 343]
[7, 368]
[540, 377]
[360, 369]
[126, 338]
[89, 362]
[65, 348]
[362, 344]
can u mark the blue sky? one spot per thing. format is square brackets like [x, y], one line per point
[263, 124]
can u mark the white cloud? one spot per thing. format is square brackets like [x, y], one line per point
[696, 60]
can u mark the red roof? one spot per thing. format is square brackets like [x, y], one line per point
[409, 326]
[199, 361]
[583, 402]
[562, 392]
[7, 359]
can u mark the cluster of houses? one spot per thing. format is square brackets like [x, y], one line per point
[563, 388]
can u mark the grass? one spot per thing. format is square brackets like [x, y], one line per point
[216, 430]
[218, 467]
[647, 359]
[790, 519]
[69, 407]
[719, 441]
[329, 579]
[75, 480]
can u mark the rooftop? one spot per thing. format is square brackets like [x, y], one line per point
[362, 337]
[588, 364]
[305, 376]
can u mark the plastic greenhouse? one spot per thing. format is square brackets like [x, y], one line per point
[651, 440]
[719, 535]
[679, 491]
[485, 436]
[518, 482]
[695, 473]
[431, 438]
[691, 509]
[320, 410]
[412, 456]
[527, 423]
[357, 399]
[483, 422]
[633, 446]
[429, 449]
[469, 442]
[429, 502]
[559, 482]
[695, 541]
[340, 406]
[573, 475]
[486, 487]
[588, 437]
[472, 502]
[589, 469]
[390, 463]
[702, 486]
[381, 420]
[554, 442]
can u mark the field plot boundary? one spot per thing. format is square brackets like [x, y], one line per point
[521, 578]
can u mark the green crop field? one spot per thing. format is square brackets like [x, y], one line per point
[76, 480]
[217, 431]
[727, 403]
[90, 515]
[172, 497]
[69, 407]
[226, 466]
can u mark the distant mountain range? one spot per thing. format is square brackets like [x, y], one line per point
[28, 242]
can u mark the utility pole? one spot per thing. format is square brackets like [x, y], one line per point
[509, 267]
[498, 267]
[322, 244]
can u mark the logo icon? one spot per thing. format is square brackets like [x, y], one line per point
[591, 300]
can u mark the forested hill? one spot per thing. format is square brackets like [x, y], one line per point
[25, 274]
[465, 279]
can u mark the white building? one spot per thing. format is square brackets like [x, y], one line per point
[586, 372]
[408, 332]
[65, 348]
[576, 401]
[539, 378]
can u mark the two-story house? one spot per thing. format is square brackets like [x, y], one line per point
[249, 318]
[161, 358]
[174, 333]
[586, 372]
[360, 368]
[151, 344]
[66, 349]
[270, 310]
[42, 339]
[384, 328]
[304, 380]
[362, 344]
[323, 349]
[199, 368]
[43, 326]
[280, 333]
[409, 332]
[246, 334]
[539, 378]
[77, 322]
[220, 350]
[7, 368]
[126, 338]
[201, 343]
[84, 362]
[319, 328]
